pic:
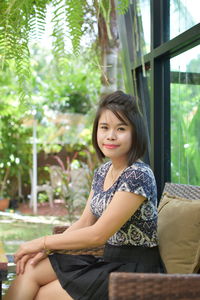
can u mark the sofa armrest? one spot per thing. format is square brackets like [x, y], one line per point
[96, 251]
[3, 267]
[144, 286]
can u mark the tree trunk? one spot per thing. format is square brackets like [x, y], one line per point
[109, 46]
[3, 183]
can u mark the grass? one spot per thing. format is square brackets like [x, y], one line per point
[6, 284]
[14, 232]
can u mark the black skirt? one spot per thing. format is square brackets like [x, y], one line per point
[85, 277]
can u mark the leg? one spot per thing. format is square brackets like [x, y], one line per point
[26, 286]
[52, 291]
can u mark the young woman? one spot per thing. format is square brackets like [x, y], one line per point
[121, 212]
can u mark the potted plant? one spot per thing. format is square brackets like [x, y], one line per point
[4, 199]
[4, 202]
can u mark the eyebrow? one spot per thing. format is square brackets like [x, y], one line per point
[119, 124]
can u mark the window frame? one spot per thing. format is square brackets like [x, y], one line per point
[156, 105]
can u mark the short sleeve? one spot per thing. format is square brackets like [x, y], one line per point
[138, 180]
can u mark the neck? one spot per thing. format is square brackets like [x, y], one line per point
[116, 171]
[119, 165]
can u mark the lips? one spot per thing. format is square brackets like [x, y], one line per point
[110, 146]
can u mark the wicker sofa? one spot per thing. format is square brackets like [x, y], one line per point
[128, 286]
[3, 267]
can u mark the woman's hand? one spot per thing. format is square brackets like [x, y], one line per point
[32, 258]
[21, 263]
[29, 248]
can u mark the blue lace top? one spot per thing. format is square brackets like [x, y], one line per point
[141, 228]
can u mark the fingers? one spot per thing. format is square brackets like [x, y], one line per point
[37, 258]
[21, 252]
[34, 259]
[30, 247]
[21, 263]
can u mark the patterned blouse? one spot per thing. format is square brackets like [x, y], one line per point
[141, 228]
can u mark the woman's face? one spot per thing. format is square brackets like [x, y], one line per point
[114, 136]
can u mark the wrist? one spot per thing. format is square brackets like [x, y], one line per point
[46, 250]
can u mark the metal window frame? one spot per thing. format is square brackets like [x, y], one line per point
[157, 108]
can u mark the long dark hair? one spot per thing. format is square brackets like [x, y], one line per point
[125, 108]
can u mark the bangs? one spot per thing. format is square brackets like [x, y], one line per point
[120, 115]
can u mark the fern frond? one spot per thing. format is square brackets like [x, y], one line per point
[7, 37]
[75, 19]
[122, 6]
[19, 19]
[14, 29]
[22, 62]
[58, 34]
[37, 21]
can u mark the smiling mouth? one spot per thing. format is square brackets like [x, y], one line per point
[110, 146]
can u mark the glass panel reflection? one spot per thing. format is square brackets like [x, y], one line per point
[183, 15]
[140, 15]
[143, 13]
[185, 117]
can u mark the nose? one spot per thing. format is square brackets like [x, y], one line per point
[111, 135]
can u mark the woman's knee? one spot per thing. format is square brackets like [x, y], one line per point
[42, 273]
[29, 271]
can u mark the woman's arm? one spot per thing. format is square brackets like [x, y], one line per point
[121, 208]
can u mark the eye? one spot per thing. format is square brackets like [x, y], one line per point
[104, 127]
[121, 129]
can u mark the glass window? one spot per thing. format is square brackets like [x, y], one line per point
[143, 12]
[147, 69]
[185, 117]
[183, 15]
[140, 14]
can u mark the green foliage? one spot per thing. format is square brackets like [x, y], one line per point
[185, 136]
[58, 31]
[105, 7]
[14, 37]
[21, 231]
[24, 20]
[75, 183]
[15, 152]
[74, 89]
[75, 18]
[122, 6]
[42, 198]
[37, 21]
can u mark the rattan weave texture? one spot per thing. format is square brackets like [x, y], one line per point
[182, 190]
[97, 251]
[143, 286]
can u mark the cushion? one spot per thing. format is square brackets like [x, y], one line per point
[179, 234]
